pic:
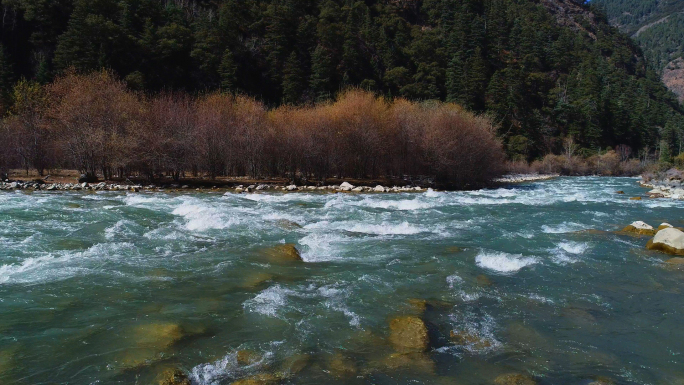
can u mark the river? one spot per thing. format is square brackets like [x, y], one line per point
[111, 287]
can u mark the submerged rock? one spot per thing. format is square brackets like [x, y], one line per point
[174, 377]
[247, 357]
[669, 241]
[514, 379]
[342, 366]
[635, 198]
[295, 364]
[259, 379]
[469, 339]
[408, 334]
[620, 192]
[255, 280]
[284, 253]
[419, 306]
[413, 361]
[158, 335]
[483, 280]
[288, 225]
[602, 381]
[675, 261]
[640, 228]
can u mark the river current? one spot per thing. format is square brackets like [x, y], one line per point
[110, 287]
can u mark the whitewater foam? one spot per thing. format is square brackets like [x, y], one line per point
[200, 217]
[503, 262]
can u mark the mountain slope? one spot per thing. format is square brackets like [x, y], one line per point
[658, 27]
[543, 69]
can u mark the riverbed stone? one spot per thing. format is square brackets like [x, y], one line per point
[411, 361]
[259, 379]
[158, 335]
[514, 379]
[469, 339]
[600, 380]
[639, 228]
[342, 366]
[247, 357]
[664, 226]
[173, 376]
[670, 241]
[294, 364]
[283, 253]
[483, 280]
[408, 334]
[255, 280]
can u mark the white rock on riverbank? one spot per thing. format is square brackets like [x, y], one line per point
[521, 178]
[102, 186]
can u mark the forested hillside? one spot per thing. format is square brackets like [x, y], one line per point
[543, 70]
[658, 27]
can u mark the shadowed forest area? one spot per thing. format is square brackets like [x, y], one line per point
[95, 124]
[542, 70]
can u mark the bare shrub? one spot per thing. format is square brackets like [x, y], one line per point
[94, 116]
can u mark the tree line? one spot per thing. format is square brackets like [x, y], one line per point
[541, 77]
[95, 124]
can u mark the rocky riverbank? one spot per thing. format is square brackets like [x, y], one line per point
[103, 186]
[521, 178]
[664, 185]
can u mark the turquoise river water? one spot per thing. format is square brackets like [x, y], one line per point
[111, 287]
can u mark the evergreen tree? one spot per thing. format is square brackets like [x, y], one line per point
[293, 80]
[228, 72]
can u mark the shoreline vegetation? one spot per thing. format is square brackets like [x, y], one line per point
[96, 125]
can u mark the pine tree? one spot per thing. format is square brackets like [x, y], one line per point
[75, 47]
[228, 72]
[322, 72]
[293, 80]
[6, 80]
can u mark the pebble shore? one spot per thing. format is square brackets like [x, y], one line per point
[102, 186]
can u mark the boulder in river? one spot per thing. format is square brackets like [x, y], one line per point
[247, 357]
[635, 198]
[345, 186]
[470, 340]
[620, 192]
[379, 188]
[408, 334]
[514, 379]
[664, 226]
[158, 335]
[283, 253]
[640, 228]
[669, 241]
[174, 377]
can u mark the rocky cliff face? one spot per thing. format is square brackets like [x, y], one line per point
[673, 77]
[571, 13]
